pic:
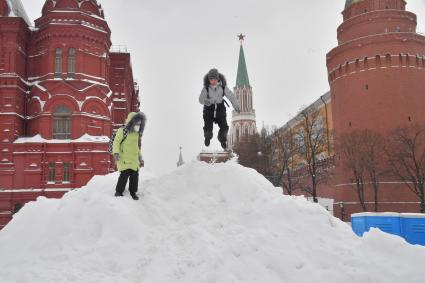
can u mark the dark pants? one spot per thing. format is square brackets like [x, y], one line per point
[220, 119]
[122, 181]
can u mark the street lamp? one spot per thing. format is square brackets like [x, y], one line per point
[342, 210]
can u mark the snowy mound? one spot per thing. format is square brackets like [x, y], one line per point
[201, 223]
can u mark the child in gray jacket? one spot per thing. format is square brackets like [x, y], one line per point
[212, 97]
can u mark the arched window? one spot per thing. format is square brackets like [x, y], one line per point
[66, 172]
[62, 123]
[388, 59]
[51, 173]
[71, 63]
[378, 61]
[58, 63]
[244, 102]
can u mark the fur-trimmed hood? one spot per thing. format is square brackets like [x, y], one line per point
[222, 81]
[133, 118]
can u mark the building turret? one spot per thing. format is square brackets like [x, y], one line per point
[371, 17]
[376, 76]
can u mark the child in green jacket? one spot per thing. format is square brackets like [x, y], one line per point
[127, 153]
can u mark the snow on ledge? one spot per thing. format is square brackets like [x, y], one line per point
[84, 138]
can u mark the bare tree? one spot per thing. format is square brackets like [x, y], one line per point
[247, 149]
[374, 161]
[406, 155]
[265, 154]
[353, 148]
[285, 151]
[311, 143]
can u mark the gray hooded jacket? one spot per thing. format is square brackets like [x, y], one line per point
[216, 95]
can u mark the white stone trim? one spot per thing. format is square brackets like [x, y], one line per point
[34, 190]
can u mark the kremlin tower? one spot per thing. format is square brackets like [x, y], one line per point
[244, 123]
[377, 81]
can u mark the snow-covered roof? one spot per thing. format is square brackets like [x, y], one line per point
[17, 10]
[84, 138]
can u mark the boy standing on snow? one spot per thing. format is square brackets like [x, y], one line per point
[212, 97]
[127, 154]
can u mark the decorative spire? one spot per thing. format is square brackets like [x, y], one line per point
[242, 77]
[180, 162]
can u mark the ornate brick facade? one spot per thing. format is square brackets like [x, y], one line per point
[62, 92]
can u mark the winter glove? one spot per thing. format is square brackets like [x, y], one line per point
[207, 103]
[238, 110]
[117, 157]
[141, 161]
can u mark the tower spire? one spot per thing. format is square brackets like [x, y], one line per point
[242, 76]
[180, 162]
[243, 123]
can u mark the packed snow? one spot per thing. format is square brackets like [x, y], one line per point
[200, 223]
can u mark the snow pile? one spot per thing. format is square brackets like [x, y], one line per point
[200, 223]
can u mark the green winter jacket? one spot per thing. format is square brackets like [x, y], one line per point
[129, 151]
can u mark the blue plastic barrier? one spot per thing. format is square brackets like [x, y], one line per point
[386, 222]
[410, 226]
[358, 224]
[413, 226]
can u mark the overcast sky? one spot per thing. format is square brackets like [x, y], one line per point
[174, 43]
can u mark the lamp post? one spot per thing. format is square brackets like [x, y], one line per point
[342, 210]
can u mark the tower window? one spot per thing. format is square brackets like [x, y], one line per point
[71, 63]
[367, 87]
[62, 123]
[388, 59]
[397, 29]
[409, 119]
[58, 63]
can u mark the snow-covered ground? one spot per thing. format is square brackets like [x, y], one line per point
[201, 223]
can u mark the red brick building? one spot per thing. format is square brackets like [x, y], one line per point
[62, 92]
[377, 80]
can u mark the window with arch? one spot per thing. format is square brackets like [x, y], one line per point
[388, 59]
[71, 62]
[62, 123]
[51, 172]
[58, 63]
[66, 172]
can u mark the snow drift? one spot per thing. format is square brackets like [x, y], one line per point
[200, 223]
